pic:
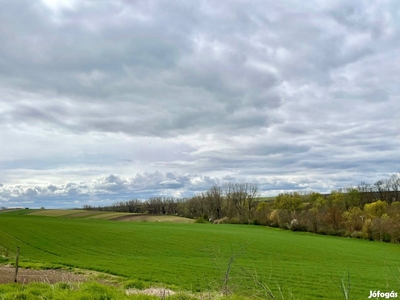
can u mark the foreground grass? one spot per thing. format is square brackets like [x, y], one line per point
[93, 291]
[194, 257]
[64, 290]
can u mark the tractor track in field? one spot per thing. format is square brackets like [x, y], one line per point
[26, 243]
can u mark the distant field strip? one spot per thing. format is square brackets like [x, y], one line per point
[195, 256]
[151, 218]
[55, 212]
[102, 215]
[69, 213]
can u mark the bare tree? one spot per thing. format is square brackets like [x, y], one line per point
[394, 185]
[171, 206]
[366, 193]
[201, 205]
[132, 206]
[193, 207]
[242, 196]
[189, 208]
[155, 206]
[215, 202]
[383, 189]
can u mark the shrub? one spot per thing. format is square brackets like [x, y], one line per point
[274, 218]
[386, 238]
[367, 229]
[294, 225]
[136, 284]
[224, 220]
[235, 221]
[356, 234]
[200, 220]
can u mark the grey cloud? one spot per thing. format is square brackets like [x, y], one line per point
[376, 95]
[128, 44]
[243, 90]
[108, 189]
[155, 183]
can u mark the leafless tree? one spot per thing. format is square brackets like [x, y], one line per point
[215, 202]
[394, 185]
[382, 187]
[242, 196]
[366, 193]
[155, 206]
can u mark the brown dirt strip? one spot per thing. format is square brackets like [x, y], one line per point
[7, 274]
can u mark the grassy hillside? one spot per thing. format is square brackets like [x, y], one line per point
[195, 256]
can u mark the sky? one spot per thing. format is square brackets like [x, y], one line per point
[104, 101]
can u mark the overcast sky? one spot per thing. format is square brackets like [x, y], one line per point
[112, 100]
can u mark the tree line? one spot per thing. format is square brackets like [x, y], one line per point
[235, 201]
[370, 211]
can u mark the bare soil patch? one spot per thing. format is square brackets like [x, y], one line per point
[52, 276]
[7, 274]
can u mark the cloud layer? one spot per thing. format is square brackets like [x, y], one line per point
[109, 100]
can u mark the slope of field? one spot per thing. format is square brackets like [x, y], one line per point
[118, 216]
[54, 212]
[76, 213]
[195, 256]
[153, 218]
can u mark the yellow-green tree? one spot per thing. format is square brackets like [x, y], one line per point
[315, 212]
[263, 212]
[376, 209]
[353, 219]
[288, 201]
[378, 220]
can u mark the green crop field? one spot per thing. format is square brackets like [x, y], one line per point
[195, 256]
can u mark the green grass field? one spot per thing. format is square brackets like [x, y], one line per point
[194, 256]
